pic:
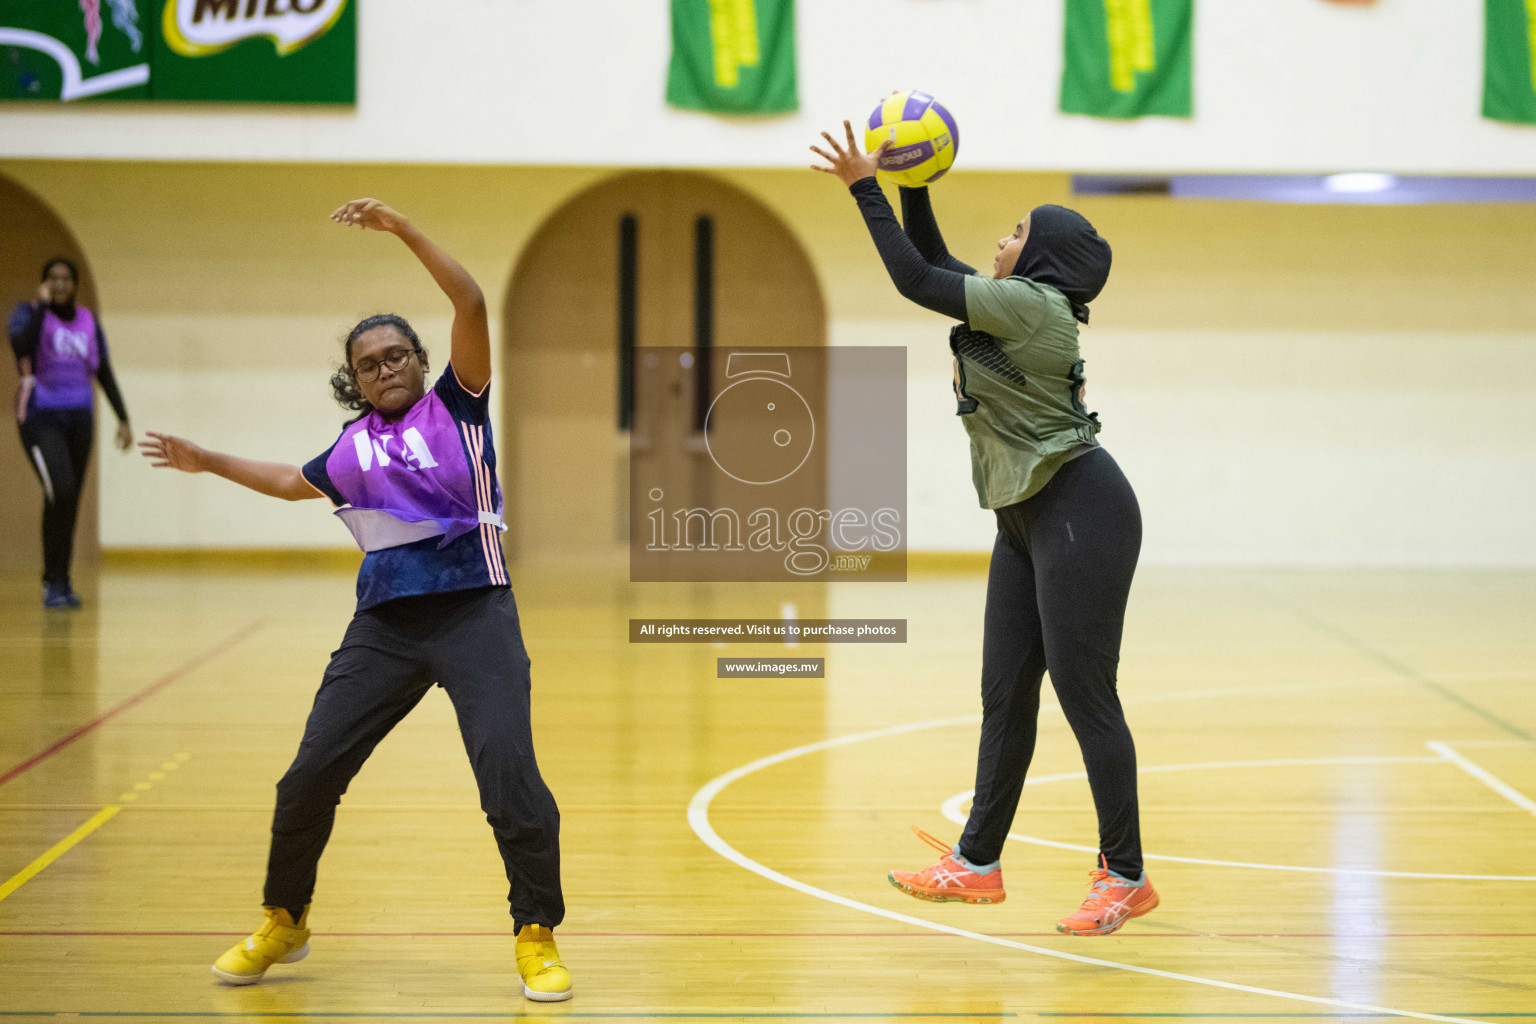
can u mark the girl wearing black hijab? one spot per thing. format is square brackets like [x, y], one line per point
[1069, 529]
[60, 351]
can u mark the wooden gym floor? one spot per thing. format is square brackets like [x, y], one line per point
[1337, 797]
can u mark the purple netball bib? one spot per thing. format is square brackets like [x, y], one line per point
[407, 480]
[66, 361]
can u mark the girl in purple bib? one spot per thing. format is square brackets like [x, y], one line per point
[61, 353]
[413, 477]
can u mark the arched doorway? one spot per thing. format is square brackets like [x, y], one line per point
[642, 260]
[30, 233]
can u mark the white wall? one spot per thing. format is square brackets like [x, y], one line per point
[1347, 448]
[1281, 85]
[1282, 384]
[1304, 448]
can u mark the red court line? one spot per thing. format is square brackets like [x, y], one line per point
[813, 935]
[153, 688]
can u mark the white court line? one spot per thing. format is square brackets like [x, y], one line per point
[1484, 776]
[951, 810]
[1284, 762]
[1048, 703]
[698, 819]
[1493, 743]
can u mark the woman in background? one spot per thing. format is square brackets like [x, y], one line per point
[60, 348]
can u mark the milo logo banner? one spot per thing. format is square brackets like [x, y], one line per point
[265, 51]
[259, 51]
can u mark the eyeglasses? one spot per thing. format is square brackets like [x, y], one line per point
[367, 370]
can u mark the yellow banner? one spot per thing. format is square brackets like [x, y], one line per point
[1131, 44]
[1530, 29]
[733, 26]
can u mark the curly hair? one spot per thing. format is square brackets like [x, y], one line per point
[344, 381]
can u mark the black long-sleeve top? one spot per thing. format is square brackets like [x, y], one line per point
[916, 258]
[26, 331]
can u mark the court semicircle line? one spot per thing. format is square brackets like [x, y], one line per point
[698, 820]
[951, 810]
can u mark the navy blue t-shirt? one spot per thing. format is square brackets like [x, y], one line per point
[471, 560]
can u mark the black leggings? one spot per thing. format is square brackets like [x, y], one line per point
[58, 445]
[471, 643]
[1056, 593]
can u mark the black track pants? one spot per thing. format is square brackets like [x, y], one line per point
[1056, 594]
[58, 444]
[471, 643]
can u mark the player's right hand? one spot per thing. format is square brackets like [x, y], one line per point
[167, 452]
[852, 163]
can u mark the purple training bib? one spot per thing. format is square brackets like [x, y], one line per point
[66, 361]
[409, 479]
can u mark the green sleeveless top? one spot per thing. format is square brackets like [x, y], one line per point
[1019, 386]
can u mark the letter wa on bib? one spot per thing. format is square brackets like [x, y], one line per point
[407, 480]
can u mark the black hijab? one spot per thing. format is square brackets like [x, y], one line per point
[66, 310]
[1065, 252]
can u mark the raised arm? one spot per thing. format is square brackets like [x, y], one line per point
[274, 479]
[922, 227]
[935, 288]
[471, 334]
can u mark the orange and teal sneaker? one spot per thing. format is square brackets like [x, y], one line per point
[545, 978]
[1111, 902]
[952, 879]
[280, 940]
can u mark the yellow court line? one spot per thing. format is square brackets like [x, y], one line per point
[58, 849]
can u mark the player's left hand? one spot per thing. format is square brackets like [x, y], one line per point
[124, 436]
[848, 164]
[370, 215]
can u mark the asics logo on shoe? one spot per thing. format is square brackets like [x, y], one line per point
[945, 878]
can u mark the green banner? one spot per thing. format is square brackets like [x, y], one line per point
[69, 50]
[262, 51]
[733, 56]
[1509, 61]
[1128, 58]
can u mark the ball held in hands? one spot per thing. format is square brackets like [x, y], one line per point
[921, 137]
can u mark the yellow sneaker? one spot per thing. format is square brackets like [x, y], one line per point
[545, 978]
[281, 940]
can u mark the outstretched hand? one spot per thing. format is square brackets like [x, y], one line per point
[167, 452]
[849, 164]
[370, 215]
